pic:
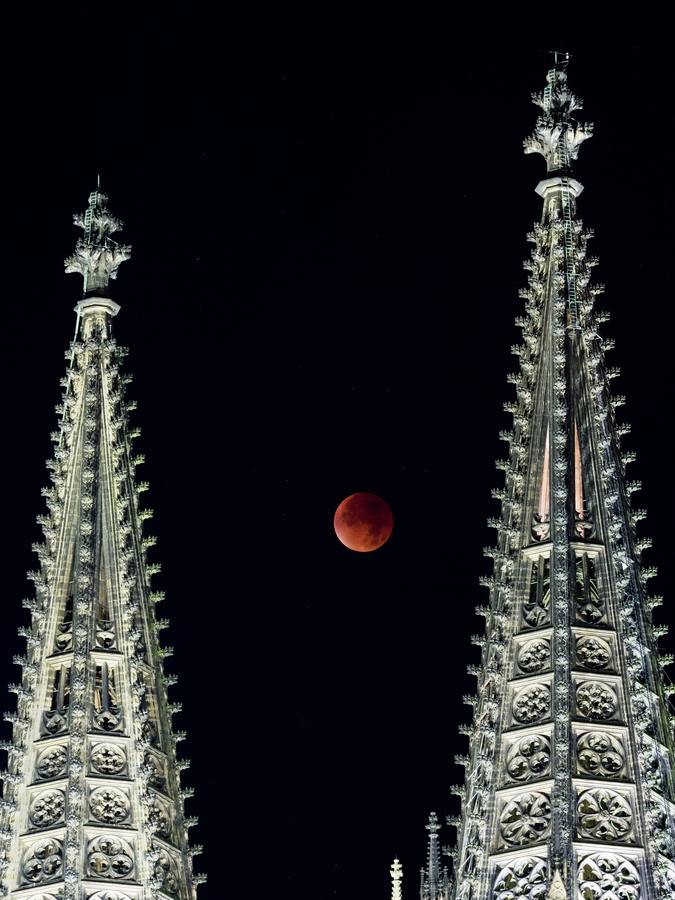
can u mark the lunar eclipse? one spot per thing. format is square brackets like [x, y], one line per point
[363, 522]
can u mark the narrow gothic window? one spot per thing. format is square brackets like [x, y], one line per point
[536, 607]
[107, 712]
[583, 526]
[589, 603]
[541, 525]
[60, 698]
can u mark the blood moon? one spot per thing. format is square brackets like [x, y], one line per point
[363, 522]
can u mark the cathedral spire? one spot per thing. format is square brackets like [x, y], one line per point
[569, 781]
[396, 873]
[93, 805]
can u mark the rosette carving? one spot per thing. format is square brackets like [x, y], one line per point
[534, 655]
[524, 878]
[608, 876]
[529, 758]
[525, 820]
[531, 704]
[604, 815]
[109, 805]
[51, 762]
[593, 652]
[596, 700]
[47, 808]
[108, 759]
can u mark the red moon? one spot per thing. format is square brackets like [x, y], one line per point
[363, 522]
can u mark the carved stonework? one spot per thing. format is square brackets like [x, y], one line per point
[159, 816]
[109, 805]
[108, 759]
[42, 862]
[110, 857]
[52, 762]
[166, 873]
[608, 876]
[526, 819]
[593, 652]
[596, 700]
[97, 257]
[534, 655]
[600, 754]
[557, 135]
[47, 808]
[524, 878]
[532, 704]
[529, 758]
[604, 815]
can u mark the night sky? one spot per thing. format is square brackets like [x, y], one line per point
[328, 219]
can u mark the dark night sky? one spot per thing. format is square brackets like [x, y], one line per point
[328, 220]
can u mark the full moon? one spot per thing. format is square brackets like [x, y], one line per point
[363, 522]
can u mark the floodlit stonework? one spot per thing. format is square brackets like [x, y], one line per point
[92, 806]
[569, 773]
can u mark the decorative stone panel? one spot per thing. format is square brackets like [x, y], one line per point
[51, 762]
[166, 873]
[159, 815]
[525, 819]
[525, 878]
[533, 656]
[155, 767]
[42, 862]
[47, 808]
[596, 700]
[528, 758]
[604, 815]
[110, 857]
[600, 754]
[531, 703]
[594, 652]
[608, 876]
[108, 759]
[109, 805]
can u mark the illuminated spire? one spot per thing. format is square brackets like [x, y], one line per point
[97, 256]
[396, 873]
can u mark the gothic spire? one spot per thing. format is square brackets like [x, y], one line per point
[569, 782]
[97, 256]
[93, 804]
[396, 873]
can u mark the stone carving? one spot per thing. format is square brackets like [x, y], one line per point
[52, 762]
[608, 876]
[525, 820]
[109, 805]
[531, 704]
[155, 770]
[158, 817]
[524, 878]
[97, 258]
[64, 637]
[557, 135]
[534, 655]
[599, 753]
[108, 759]
[47, 808]
[108, 895]
[529, 758]
[110, 857]
[604, 815]
[593, 652]
[166, 872]
[54, 721]
[596, 700]
[42, 862]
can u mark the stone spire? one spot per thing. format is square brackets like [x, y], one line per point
[435, 884]
[569, 776]
[92, 803]
[396, 873]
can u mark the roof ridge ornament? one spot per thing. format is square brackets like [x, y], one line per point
[97, 256]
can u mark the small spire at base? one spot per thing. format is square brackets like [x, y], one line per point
[396, 872]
